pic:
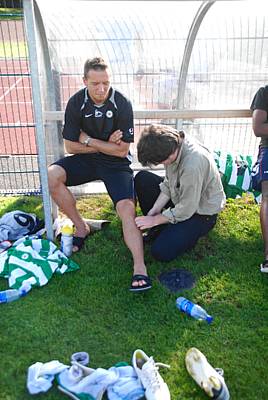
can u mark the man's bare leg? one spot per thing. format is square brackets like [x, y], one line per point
[132, 236]
[264, 217]
[65, 200]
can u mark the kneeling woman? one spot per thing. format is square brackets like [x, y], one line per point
[183, 206]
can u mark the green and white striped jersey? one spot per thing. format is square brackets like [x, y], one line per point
[235, 174]
[35, 260]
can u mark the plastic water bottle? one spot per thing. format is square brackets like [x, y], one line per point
[193, 310]
[67, 240]
[6, 296]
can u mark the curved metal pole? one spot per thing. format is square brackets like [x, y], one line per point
[53, 102]
[38, 113]
[203, 9]
[52, 79]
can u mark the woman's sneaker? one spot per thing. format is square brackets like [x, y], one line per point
[147, 371]
[207, 377]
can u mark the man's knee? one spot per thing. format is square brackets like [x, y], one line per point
[141, 179]
[56, 175]
[125, 208]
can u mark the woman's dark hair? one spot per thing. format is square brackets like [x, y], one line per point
[157, 143]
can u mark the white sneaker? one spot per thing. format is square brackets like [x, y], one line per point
[208, 378]
[264, 266]
[147, 371]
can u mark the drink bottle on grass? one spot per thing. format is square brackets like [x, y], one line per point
[193, 310]
[67, 240]
[6, 296]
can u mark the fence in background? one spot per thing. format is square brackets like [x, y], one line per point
[191, 64]
[19, 171]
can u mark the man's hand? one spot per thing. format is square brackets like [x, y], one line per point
[149, 221]
[82, 137]
[116, 137]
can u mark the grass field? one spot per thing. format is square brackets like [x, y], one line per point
[11, 13]
[92, 310]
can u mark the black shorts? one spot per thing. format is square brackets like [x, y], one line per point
[83, 168]
[259, 171]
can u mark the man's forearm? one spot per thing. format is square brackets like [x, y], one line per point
[96, 146]
[113, 149]
[78, 148]
[117, 148]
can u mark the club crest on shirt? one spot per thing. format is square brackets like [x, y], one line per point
[109, 114]
[98, 114]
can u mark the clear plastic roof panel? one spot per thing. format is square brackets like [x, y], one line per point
[230, 56]
[142, 41]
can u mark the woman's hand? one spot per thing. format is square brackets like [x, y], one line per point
[149, 221]
[145, 222]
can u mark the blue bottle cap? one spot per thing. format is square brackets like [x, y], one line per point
[3, 297]
[209, 319]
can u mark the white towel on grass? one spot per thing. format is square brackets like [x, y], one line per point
[41, 375]
[127, 386]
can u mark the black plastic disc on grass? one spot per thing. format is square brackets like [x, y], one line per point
[177, 279]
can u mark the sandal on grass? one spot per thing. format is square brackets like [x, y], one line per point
[137, 278]
[264, 266]
[78, 242]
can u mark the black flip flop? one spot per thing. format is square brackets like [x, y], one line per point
[138, 278]
[79, 242]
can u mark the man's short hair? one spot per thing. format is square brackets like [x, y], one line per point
[157, 143]
[96, 64]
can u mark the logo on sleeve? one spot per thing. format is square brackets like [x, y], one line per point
[131, 131]
[109, 114]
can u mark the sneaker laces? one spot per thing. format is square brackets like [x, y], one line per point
[150, 373]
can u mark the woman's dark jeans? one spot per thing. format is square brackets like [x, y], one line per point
[173, 239]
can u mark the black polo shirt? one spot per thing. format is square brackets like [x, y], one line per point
[97, 121]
